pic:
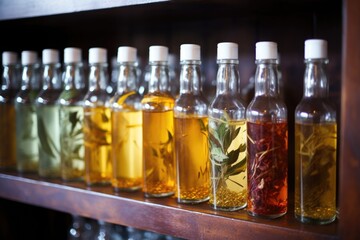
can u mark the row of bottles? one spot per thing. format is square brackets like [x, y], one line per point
[231, 155]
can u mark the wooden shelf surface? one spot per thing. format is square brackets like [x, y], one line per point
[162, 215]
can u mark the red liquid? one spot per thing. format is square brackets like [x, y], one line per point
[267, 147]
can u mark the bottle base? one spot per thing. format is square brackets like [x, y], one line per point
[228, 209]
[127, 189]
[192, 201]
[310, 220]
[269, 216]
[158, 195]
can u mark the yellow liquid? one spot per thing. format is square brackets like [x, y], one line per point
[228, 190]
[127, 150]
[158, 145]
[97, 140]
[315, 172]
[7, 136]
[192, 159]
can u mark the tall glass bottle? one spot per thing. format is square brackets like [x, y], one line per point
[7, 110]
[97, 121]
[47, 110]
[27, 140]
[158, 128]
[267, 143]
[72, 116]
[227, 134]
[191, 137]
[126, 119]
[315, 142]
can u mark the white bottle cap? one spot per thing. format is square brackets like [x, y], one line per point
[28, 57]
[189, 52]
[266, 50]
[97, 55]
[158, 54]
[315, 48]
[72, 55]
[9, 58]
[126, 54]
[227, 50]
[50, 56]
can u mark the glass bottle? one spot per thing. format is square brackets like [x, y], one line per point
[126, 119]
[27, 140]
[7, 111]
[97, 121]
[191, 137]
[72, 116]
[315, 142]
[267, 142]
[158, 128]
[227, 134]
[47, 110]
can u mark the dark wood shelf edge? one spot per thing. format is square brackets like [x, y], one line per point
[162, 215]
[16, 9]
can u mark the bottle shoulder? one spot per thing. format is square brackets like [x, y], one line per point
[127, 101]
[266, 108]
[315, 110]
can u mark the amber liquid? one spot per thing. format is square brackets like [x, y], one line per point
[97, 140]
[228, 191]
[72, 143]
[315, 172]
[267, 169]
[127, 150]
[7, 136]
[192, 159]
[158, 146]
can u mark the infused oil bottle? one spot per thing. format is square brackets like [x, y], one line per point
[126, 123]
[315, 142]
[158, 128]
[7, 110]
[191, 138]
[97, 121]
[267, 139]
[227, 134]
[72, 116]
[47, 111]
[27, 140]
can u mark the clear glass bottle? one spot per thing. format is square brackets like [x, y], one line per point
[267, 141]
[7, 111]
[47, 111]
[158, 128]
[27, 140]
[191, 136]
[227, 134]
[97, 121]
[72, 116]
[315, 141]
[126, 119]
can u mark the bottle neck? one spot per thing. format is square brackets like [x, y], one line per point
[98, 76]
[28, 78]
[8, 77]
[159, 77]
[227, 77]
[190, 77]
[315, 79]
[73, 76]
[266, 78]
[51, 76]
[127, 77]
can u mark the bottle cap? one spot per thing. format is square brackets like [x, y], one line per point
[227, 50]
[97, 55]
[50, 56]
[266, 50]
[158, 53]
[189, 52]
[9, 58]
[315, 48]
[72, 55]
[126, 54]
[28, 57]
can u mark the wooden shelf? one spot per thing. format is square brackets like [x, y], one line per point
[163, 215]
